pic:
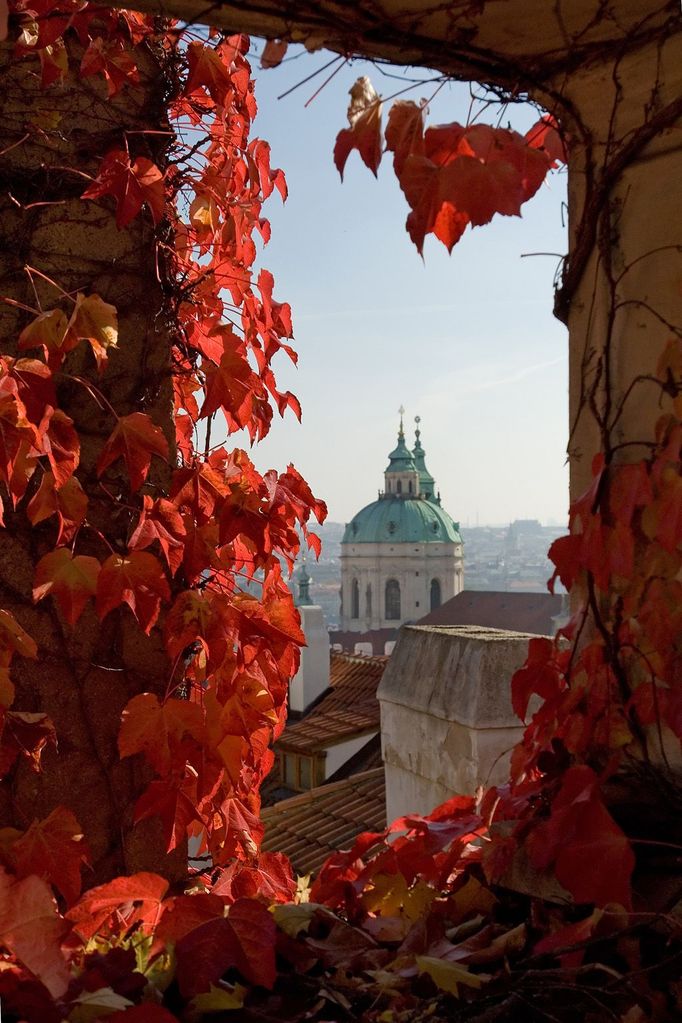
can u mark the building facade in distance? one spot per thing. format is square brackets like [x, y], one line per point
[401, 555]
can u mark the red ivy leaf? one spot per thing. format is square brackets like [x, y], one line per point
[207, 71]
[545, 135]
[135, 438]
[70, 579]
[137, 580]
[95, 321]
[464, 175]
[15, 639]
[26, 734]
[185, 913]
[131, 184]
[255, 931]
[273, 53]
[270, 880]
[157, 729]
[204, 955]
[540, 674]
[567, 936]
[160, 520]
[630, 488]
[31, 928]
[49, 331]
[54, 63]
[62, 447]
[364, 134]
[110, 60]
[137, 898]
[69, 503]
[176, 810]
[246, 940]
[55, 850]
[592, 857]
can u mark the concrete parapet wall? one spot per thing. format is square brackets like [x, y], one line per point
[447, 724]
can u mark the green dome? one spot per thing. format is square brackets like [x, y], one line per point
[402, 520]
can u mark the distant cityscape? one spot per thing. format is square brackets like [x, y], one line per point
[511, 558]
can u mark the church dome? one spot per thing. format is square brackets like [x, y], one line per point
[402, 520]
[402, 553]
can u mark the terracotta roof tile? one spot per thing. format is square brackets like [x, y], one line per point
[348, 708]
[311, 826]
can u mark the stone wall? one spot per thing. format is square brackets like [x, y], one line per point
[447, 725]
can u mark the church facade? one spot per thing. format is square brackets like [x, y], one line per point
[401, 555]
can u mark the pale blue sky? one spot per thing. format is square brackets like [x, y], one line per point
[467, 341]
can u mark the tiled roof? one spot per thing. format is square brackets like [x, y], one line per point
[311, 826]
[517, 612]
[348, 708]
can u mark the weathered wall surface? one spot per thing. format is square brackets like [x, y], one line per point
[511, 42]
[447, 725]
[85, 676]
[624, 274]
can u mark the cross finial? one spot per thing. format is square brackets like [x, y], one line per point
[401, 410]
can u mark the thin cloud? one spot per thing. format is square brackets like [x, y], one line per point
[483, 377]
[474, 386]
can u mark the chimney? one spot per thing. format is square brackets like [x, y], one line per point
[312, 678]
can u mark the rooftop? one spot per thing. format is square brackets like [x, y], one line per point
[516, 612]
[347, 709]
[311, 826]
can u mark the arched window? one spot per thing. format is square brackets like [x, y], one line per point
[399, 486]
[435, 594]
[368, 600]
[355, 599]
[409, 486]
[393, 600]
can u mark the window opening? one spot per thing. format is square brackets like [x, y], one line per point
[393, 600]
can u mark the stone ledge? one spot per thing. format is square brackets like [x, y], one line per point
[455, 673]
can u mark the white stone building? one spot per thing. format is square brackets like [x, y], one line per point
[401, 556]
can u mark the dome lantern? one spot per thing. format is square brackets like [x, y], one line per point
[427, 484]
[401, 476]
